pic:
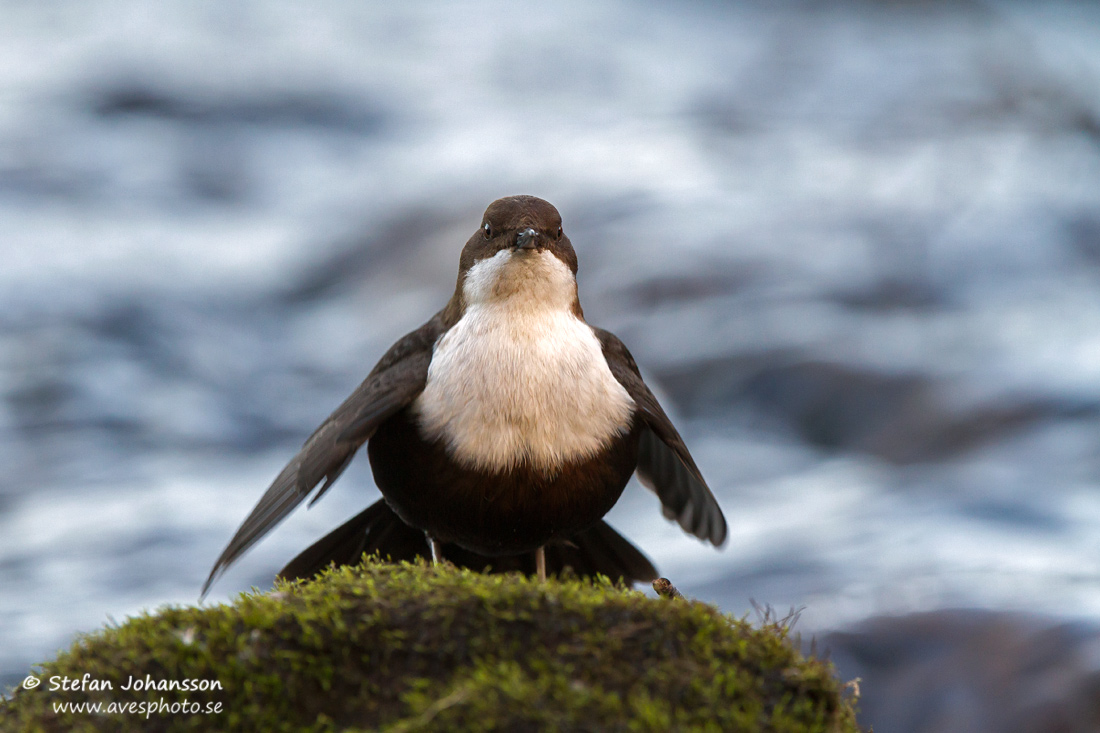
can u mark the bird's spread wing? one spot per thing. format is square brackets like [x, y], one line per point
[393, 384]
[664, 463]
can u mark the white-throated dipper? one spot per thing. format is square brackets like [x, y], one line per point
[500, 432]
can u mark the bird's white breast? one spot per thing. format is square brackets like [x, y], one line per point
[520, 377]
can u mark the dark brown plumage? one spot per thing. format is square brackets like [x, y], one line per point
[490, 474]
[598, 550]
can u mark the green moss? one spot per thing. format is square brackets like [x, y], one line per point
[413, 647]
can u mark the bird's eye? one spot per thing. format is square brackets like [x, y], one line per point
[487, 229]
[558, 235]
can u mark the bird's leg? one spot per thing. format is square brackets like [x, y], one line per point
[437, 550]
[540, 563]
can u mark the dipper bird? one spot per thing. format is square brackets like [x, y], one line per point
[500, 432]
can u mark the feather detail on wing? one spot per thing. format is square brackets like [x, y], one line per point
[393, 384]
[664, 464]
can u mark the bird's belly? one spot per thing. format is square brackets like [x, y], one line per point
[495, 512]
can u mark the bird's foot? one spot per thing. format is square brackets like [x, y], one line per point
[540, 564]
[437, 551]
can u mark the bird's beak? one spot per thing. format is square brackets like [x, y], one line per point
[527, 239]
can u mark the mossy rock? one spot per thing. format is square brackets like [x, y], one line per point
[413, 647]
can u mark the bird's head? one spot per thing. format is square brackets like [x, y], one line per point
[519, 250]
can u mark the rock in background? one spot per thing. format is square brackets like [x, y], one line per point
[973, 670]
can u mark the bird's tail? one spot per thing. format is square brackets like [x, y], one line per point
[598, 550]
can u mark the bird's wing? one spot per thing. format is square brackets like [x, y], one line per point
[394, 383]
[664, 463]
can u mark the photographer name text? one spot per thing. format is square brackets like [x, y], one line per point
[89, 683]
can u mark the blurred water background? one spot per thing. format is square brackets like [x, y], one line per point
[856, 245]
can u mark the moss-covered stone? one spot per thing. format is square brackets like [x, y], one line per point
[413, 647]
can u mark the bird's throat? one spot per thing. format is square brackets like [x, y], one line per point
[520, 378]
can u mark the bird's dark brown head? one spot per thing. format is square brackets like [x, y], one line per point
[519, 250]
[523, 224]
